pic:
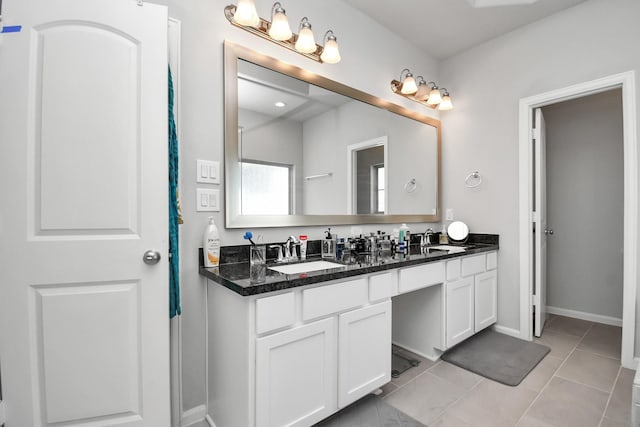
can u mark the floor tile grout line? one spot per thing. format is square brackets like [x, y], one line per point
[587, 385]
[615, 382]
[548, 381]
[465, 394]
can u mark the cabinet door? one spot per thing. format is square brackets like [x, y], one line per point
[296, 375]
[486, 289]
[460, 306]
[364, 355]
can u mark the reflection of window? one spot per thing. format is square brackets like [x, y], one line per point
[266, 189]
[378, 188]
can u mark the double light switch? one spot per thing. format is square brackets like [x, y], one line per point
[207, 199]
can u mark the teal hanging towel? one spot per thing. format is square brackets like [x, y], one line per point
[174, 212]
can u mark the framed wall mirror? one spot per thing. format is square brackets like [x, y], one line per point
[301, 149]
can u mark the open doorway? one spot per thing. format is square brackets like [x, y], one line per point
[585, 202]
[624, 83]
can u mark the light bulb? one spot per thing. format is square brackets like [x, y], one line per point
[330, 53]
[409, 85]
[434, 96]
[280, 29]
[446, 103]
[246, 14]
[306, 43]
[423, 91]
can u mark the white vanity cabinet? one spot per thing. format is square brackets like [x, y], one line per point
[294, 357]
[471, 298]
[295, 375]
[364, 356]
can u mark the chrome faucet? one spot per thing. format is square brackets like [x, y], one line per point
[290, 250]
[426, 238]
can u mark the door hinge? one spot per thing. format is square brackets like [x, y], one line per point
[535, 217]
[535, 134]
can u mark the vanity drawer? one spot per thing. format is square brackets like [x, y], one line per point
[381, 286]
[473, 264]
[421, 276]
[453, 269]
[275, 312]
[492, 260]
[335, 298]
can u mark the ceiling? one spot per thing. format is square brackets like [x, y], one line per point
[443, 28]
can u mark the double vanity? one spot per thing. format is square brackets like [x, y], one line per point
[299, 347]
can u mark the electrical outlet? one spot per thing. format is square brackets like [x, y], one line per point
[449, 214]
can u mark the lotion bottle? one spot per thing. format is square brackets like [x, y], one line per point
[211, 244]
[444, 239]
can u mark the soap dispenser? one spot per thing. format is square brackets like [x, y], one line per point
[329, 245]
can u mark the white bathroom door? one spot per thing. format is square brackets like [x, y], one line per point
[540, 223]
[84, 322]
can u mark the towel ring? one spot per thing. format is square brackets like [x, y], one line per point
[473, 180]
[411, 186]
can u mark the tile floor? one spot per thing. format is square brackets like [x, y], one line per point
[579, 383]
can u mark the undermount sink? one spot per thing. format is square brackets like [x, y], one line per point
[449, 248]
[305, 267]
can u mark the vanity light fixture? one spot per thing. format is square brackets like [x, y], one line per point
[306, 42]
[422, 92]
[278, 31]
[330, 53]
[246, 14]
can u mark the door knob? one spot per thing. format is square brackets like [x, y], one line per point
[548, 232]
[151, 257]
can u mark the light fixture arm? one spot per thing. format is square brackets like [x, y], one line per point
[403, 75]
[304, 23]
[328, 36]
[276, 8]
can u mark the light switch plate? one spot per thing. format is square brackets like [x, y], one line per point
[449, 214]
[207, 200]
[207, 171]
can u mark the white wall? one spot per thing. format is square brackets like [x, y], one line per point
[371, 58]
[585, 204]
[412, 153]
[594, 39]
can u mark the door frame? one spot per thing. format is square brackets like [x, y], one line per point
[625, 81]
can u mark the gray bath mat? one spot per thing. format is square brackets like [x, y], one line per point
[496, 356]
[370, 411]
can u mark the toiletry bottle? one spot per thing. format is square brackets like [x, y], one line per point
[211, 244]
[329, 245]
[444, 239]
[404, 235]
[303, 246]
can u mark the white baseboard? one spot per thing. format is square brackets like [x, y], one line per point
[507, 331]
[607, 320]
[210, 421]
[193, 416]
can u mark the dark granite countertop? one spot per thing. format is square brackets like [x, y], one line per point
[235, 275]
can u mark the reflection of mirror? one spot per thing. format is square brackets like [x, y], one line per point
[304, 150]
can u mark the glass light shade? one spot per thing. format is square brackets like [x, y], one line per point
[246, 14]
[306, 43]
[330, 53]
[434, 97]
[280, 29]
[409, 85]
[446, 103]
[423, 92]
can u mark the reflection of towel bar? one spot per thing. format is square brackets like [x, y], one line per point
[322, 175]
